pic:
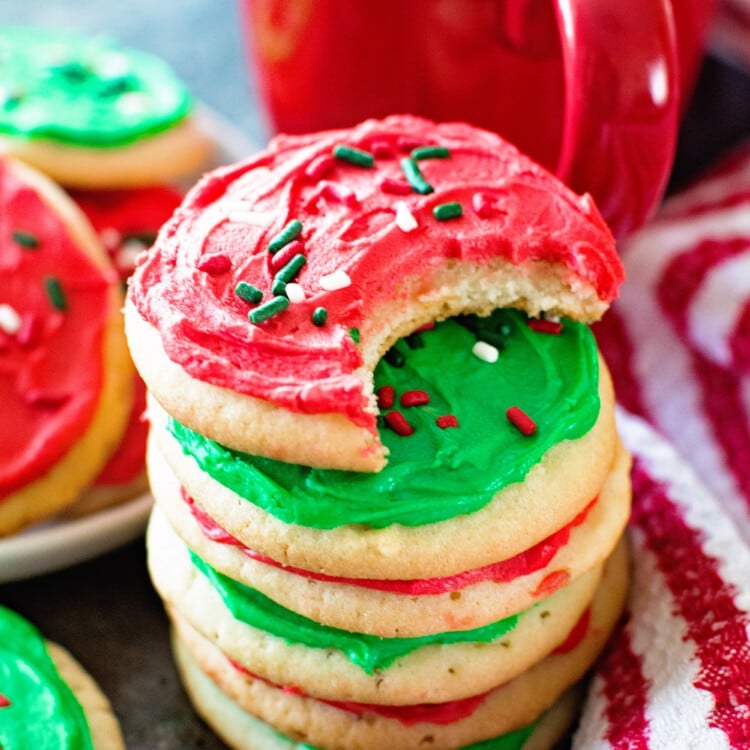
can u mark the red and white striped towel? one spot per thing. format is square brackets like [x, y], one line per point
[677, 674]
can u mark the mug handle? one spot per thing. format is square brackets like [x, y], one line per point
[622, 104]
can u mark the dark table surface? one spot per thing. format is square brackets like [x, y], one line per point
[105, 611]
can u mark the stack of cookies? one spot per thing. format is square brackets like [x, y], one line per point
[389, 490]
[111, 126]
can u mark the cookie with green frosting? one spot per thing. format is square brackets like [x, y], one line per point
[91, 113]
[47, 700]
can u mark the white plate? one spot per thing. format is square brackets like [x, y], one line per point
[57, 544]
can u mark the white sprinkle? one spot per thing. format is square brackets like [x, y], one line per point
[334, 281]
[110, 237]
[485, 351]
[295, 292]
[404, 217]
[10, 320]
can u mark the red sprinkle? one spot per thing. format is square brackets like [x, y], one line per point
[405, 143]
[29, 332]
[320, 167]
[386, 396]
[395, 187]
[340, 194]
[4, 702]
[281, 258]
[446, 421]
[521, 420]
[415, 398]
[214, 264]
[397, 422]
[426, 327]
[381, 150]
[484, 205]
[540, 325]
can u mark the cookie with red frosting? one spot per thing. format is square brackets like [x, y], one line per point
[127, 221]
[258, 317]
[64, 366]
[92, 114]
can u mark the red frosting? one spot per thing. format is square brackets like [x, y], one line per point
[511, 208]
[51, 368]
[524, 563]
[126, 221]
[432, 713]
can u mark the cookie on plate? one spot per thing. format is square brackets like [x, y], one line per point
[46, 698]
[65, 374]
[91, 114]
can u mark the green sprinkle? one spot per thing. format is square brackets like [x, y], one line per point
[55, 293]
[414, 177]
[268, 310]
[354, 333]
[446, 211]
[248, 292]
[355, 156]
[319, 316]
[278, 288]
[430, 152]
[394, 357]
[26, 240]
[289, 233]
[289, 272]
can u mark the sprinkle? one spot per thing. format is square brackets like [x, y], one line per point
[542, 325]
[268, 310]
[30, 331]
[10, 320]
[4, 701]
[446, 211]
[405, 220]
[408, 144]
[395, 187]
[484, 205]
[429, 326]
[415, 177]
[386, 395]
[290, 232]
[430, 152]
[319, 316]
[214, 264]
[446, 420]
[280, 259]
[26, 240]
[332, 282]
[521, 421]
[295, 293]
[354, 333]
[355, 156]
[291, 269]
[414, 341]
[397, 422]
[248, 292]
[415, 398]
[486, 352]
[394, 357]
[340, 194]
[319, 167]
[55, 293]
[381, 149]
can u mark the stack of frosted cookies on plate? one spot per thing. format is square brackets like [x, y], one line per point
[111, 126]
[390, 493]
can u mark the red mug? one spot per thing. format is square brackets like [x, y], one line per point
[592, 89]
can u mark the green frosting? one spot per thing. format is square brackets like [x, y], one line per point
[436, 474]
[368, 652]
[83, 91]
[42, 713]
